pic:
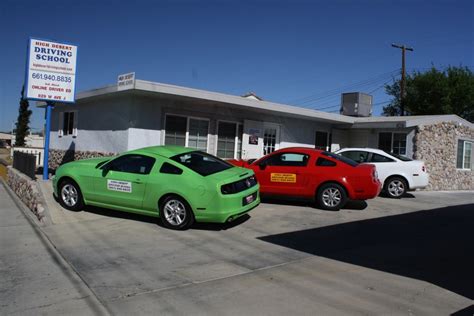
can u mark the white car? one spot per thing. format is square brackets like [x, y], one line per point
[398, 174]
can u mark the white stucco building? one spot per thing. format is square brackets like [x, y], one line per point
[107, 120]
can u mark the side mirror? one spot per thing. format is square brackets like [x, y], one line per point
[105, 169]
[262, 165]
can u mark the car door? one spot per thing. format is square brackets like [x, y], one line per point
[283, 173]
[386, 166]
[122, 181]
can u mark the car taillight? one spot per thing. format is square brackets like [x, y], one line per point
[239, 186]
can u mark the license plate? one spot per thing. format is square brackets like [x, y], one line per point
[249, 199]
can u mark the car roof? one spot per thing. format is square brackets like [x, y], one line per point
[373, 150]
[165, 151]
[300, 149]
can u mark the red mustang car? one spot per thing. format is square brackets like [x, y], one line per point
[314, 174]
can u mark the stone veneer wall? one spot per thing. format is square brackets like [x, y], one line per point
[59, 157]
[27, 190]
[436, 145]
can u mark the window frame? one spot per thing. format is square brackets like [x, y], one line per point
[236, 138]
[186, 134]
[273, 156]
[328, 139]
[392, 138]
[464, 141]
[62, 121]
[108, 166]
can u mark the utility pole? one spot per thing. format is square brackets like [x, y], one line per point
[402, 84]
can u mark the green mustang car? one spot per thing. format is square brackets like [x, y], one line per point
[180, 185]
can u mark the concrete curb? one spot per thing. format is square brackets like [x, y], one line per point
[96, 305]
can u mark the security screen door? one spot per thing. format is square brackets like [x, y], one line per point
[259, 139]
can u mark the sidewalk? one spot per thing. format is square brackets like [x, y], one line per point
[34, 277]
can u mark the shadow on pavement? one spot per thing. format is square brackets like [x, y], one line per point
[435, 245]
[351, 205]
[154, 220]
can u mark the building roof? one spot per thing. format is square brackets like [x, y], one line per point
[149, 87]
[5, 136]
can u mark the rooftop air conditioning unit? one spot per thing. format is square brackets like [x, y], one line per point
[356, 104]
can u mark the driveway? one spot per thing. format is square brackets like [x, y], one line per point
[409, 256]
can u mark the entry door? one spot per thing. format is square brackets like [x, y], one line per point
[271, 137]
[252, 141]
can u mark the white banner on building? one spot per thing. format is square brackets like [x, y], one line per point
[126, 81]
[51, 71]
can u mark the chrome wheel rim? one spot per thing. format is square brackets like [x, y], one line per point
[69, 195]
[175, 212]
[331, 197]
[396, 188]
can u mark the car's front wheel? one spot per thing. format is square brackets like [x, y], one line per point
[70, 196]
[175, 213]
[331, 196]
[395, 187]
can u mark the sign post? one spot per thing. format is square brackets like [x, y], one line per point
[51, 77]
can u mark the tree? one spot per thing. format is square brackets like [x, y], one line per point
[23, 120]
[435, 92]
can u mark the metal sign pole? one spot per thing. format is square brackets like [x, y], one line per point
[49, 107]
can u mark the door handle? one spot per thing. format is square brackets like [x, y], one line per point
[138, 181]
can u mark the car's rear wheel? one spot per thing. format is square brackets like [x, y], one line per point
[175, 213]
[331, 196]
[395, 187]
[70, 196]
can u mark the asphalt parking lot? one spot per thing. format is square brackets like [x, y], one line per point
[403, 257]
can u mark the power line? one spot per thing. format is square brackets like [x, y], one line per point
[322, 95]
[332, 99]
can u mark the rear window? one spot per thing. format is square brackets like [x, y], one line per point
[400, 157]
[202, 163]
[345, 160]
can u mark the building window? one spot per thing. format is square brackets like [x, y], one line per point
[322, 141]
[464, 155]
[393, 143]
[198, 130]
[175, 130]
[68, 121]
[184, 131]
[269, 140]
[229, 140]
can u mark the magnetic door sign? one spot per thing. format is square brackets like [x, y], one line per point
[120, 186]
[283, 177]
[51, 71]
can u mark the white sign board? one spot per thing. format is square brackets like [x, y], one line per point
[126, 81]
[51, 71]
[120, 186]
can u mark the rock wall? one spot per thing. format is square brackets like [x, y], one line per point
[436, 145]
[59, 157]
[27, 190]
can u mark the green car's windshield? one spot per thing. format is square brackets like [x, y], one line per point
[202, 163]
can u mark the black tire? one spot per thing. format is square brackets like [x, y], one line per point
[175, 213]
[331, 196]
[395, 187]
[70, 195]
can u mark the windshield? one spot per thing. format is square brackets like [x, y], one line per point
[402, 158]
[348, 161]
[202, 163]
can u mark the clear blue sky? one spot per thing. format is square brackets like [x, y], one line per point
[296, 52]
